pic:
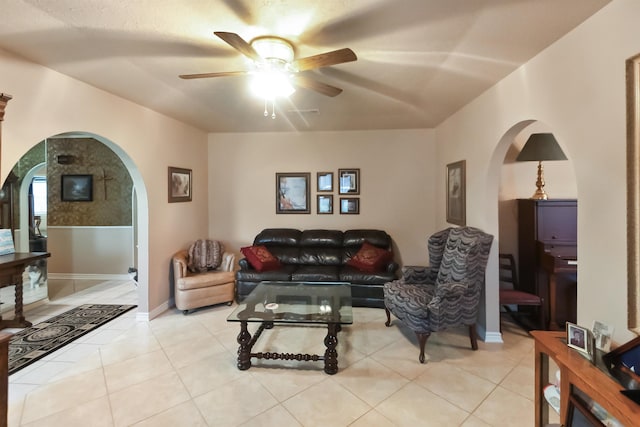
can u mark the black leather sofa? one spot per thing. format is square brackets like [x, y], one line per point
[320, 255]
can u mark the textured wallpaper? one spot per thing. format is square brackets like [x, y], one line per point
[112, 185]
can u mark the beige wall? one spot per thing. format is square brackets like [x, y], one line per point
[397, 180]
[46, 103]
[576, 88]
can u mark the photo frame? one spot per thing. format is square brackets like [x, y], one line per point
[325, 182]
[602, 335]
[324, 204]
[76, 188]
[456, 193]
[623, 363]
[349, 181]
[580, 339]
[292, 193]
[349, 205]
[180, 182]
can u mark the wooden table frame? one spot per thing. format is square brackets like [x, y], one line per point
[11, 268]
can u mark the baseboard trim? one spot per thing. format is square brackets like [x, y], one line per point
[489, 337]
[75, 276]
[146, 317]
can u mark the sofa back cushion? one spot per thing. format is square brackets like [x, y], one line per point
[278, 237]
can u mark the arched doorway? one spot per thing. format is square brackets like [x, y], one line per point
[93, 245]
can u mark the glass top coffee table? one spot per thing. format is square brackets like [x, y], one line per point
[294, 303]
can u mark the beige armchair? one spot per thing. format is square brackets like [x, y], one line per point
[194, 290]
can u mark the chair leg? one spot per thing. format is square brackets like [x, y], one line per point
[422, 340]
[473, 335]
[388, 322]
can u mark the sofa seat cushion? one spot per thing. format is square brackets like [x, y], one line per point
[283, 273]
[205, 280]
[354, 275]
[316, 273]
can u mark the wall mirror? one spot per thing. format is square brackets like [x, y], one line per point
[633, 195]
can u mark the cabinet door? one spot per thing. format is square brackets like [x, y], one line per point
[557, 222]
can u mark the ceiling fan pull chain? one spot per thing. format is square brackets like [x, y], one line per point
[266, 113]
[273, 109]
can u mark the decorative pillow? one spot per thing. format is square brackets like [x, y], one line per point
[260, 258]
[370, 258]
[204, 255]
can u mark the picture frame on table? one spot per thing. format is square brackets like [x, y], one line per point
[581, 339]
[76, 188]
[324, 204]
[349, 205]
[456, 193]
[293, 195]
[602, 335]
[349, 181]
[180, 181]
[325, 182]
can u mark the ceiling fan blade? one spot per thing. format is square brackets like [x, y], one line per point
[323, 88]
[207, 75]
[325, 59]
[239, 44]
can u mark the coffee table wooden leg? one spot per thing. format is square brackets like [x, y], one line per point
[244, 352]
[331, 355]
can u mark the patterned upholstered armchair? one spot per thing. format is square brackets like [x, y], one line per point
[447, 293]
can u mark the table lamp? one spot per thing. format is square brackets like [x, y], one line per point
[540, 147]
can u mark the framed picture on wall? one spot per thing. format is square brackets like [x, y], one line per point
[349, 181]
[325, 204]
[325, 181]
[349, 205]
[77, 188]
[456, 193]
[292, 193]
[180, 185]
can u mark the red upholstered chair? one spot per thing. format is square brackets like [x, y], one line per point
[510, 295]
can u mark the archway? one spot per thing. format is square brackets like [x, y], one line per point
[508, 181]
[139, 207]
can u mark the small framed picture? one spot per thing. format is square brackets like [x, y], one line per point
[179, 185]
[349, 205]
[580, 339]
[325, 182]
[325, 204]
[77, 188]
[602, 335]
[349, 181]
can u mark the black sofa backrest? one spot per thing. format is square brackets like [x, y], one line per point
[318, 247]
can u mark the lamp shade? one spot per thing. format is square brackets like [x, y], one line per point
[540, 147]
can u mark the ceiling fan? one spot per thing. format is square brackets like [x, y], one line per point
[275, 55]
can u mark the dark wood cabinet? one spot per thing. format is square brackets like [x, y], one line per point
[547, 257]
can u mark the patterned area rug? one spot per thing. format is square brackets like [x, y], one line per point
[31, 344]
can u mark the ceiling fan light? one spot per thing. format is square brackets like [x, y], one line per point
[273, 48]
[271, 85]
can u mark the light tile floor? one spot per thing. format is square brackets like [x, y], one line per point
[179, 370]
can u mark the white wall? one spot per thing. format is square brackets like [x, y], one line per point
[46, 103]
[397, 184]
[576, 88]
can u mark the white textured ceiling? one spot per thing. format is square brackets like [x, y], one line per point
[419, 61]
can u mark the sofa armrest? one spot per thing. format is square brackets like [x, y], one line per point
[417, 274]
[243, 263]
[179, 260]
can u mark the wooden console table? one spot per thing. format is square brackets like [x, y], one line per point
[576, 372]
[11, 268]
